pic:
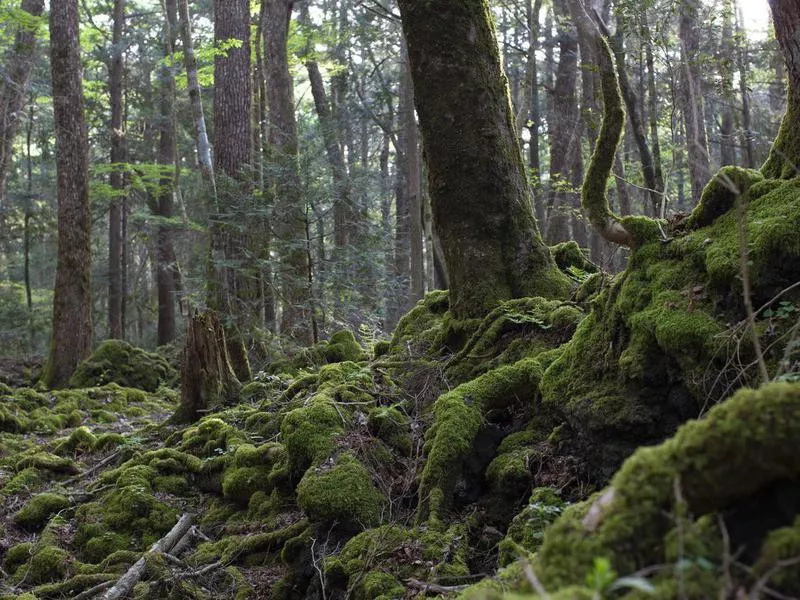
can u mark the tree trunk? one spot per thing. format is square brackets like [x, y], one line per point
[479, 191]
[742, 66]
[117, 177]
[165, 254]
[727, 54]
[692, 100]
[565, 128]
[72, 303]
[235, 285]
[195, 97]
[14, 88]
[652, 105]
[784, 157]
[414, 188]
[289, 215]
[207, 379]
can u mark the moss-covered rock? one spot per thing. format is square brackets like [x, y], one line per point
[695, 473]
[526, 532]
[119, 362]
[35, 514]
[391, 426]
[47, 564]
[341, 491]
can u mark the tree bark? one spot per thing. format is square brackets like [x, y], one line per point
[289, 215]
[784, 157]
[165, 253]
[479, 191]
[742, 66]
[207, 378]
[692, 100]
[726, 58]
[14, 89]
[72, 316]
[234, 288]
[117, 177]
[414, 188]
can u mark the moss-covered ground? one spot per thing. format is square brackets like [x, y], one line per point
[616, 442]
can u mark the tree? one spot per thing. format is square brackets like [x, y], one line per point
[72, 316]
[289, 216]
[118, 156]
[479, 192]
[784, 157]
[14, 86]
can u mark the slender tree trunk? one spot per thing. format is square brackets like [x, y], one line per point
[195, 98]
[117, 177]
[479, 191]
[165, 254]
[14, 88]
[72, 315]
[414, 190]
[726, 58]
[289, 216]
[533, 9]
[26, 240]
[565, 128]
[742, 61]
[692, 100]
[652, 104]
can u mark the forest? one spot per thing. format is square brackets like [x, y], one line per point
[394, 299]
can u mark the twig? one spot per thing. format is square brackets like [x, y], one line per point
[125, 583]
[761, 584]
[91, 470]
[530, 575]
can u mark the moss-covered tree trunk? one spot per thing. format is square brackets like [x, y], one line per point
[207, 379]
[784, 158]
[479, 193]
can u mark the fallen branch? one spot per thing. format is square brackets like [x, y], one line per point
[433, 587]
[93, 591]
[91, 470]
[125, 583]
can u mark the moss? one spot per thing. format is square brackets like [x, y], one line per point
[377, 584]
[80, 439]
[22, 481]
[720, 195]
[569, 256]
[526, 532]
[119, 362]
[108, 440]
[309, 433]
[17, 556]
[210, 437]
[239, 484]
[73, 586]
[391, 426]
[459, 416]
[48, 564]
[643, 230]
[630, 523]
[48, 462]
[104, 545]
[781, 545]
[342, 492]
[35, 514]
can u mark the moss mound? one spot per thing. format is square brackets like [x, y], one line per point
[116, 361]
[35, 514]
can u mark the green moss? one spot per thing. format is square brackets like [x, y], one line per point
[630, 523]
[108, 440]
[341, 492]
[569, 256]
[80, 439]
[211, 437]
[48, 564]
[35, 514]
[17, 556]
[22, 481]
[720, 195]
[45, 461]
[391, 426]
[458, 418]
[73, 586]
[239, 484]
[781, 546]
[119, 362]
[309, 433]
[526, 532]
[377, 584]
[103, 545]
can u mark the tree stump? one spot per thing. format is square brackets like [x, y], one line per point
[207, 379]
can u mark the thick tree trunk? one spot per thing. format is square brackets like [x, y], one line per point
[207, 379]
[692, 100]
[784, 157]
[14, 88]
[289, 215]
[117, 177]
[479, 191]
[165, 254]
[235, 288]
[72, 305]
